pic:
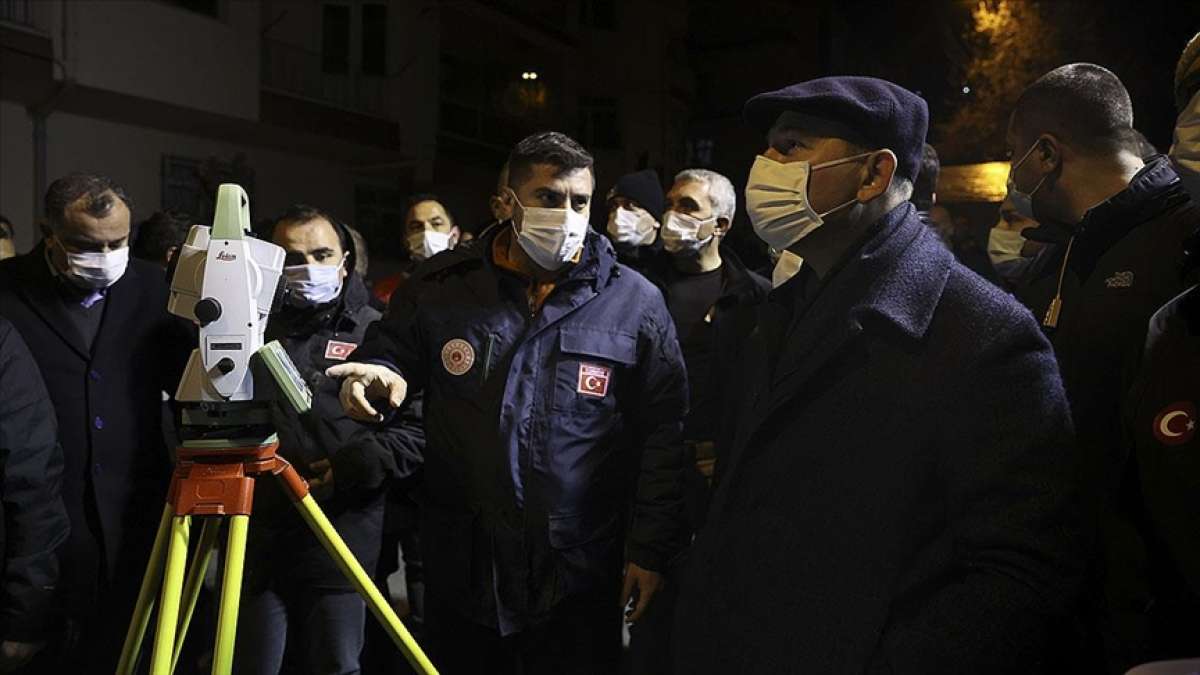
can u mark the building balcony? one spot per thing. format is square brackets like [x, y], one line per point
[299, 72]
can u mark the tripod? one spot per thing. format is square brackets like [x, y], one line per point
[215, 482]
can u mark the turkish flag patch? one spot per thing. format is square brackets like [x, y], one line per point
[593, 380]
[339, 351]
[1176, 425]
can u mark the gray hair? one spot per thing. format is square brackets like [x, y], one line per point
[720, 190]
[897, 193]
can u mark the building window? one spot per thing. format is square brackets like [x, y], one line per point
[335, 39]
[379, 217]
[599, 122]
[598, 14]
[374, 39]
[16, 11]
[190, 185]
[206, 7]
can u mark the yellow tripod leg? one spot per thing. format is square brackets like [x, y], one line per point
[231, 591]
[145, 600]
[195, 578]
[168, 605]
[350, 566]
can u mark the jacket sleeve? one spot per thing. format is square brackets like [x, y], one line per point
[35, 519]
[385, 453]
[1008, 464]
[396, 340]
[658, 529]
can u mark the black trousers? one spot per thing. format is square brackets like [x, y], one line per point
[581, 637]
[325, 627]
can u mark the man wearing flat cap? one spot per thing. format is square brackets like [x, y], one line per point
[899, 493]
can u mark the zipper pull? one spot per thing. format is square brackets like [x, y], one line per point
[487, 357]
[1052, 312]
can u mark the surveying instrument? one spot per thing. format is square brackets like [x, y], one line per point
[227, 282]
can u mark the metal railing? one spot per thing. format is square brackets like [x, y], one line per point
[296, 70]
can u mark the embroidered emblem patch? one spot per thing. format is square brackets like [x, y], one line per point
[1120, 280]
[458, 356]
[1176, 425]
[593, 380]
[339, 351]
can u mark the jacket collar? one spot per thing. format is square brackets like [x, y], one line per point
[739, 285]
[1153, 190]
[345, 311]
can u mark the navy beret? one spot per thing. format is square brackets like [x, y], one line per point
[886, 114]
[642, 187]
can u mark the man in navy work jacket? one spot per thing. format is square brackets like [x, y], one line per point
[898, 496]
[554, 397]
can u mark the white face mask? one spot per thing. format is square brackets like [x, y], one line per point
[1004, 245]
[1185, 151]
[631, 227]
[314, 284]
[684, 234]
[550, 237]
[786, 267]
[427, 243]
[777, 200]
[97, 270]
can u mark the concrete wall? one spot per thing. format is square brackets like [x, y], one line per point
[162, 52]
[16, 172]
[133, 157]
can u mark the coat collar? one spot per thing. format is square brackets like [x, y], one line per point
[41, 292]
[890, 285]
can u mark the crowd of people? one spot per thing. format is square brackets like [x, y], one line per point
[887, 452]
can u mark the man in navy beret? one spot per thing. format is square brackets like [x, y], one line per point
[898, 495]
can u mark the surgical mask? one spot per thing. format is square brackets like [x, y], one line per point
[97, 270]
[550, 237]
[631, 227]
[314, 284]
[427, 243]
[1023, 201]
[787, 266]
[1185, 151]
[1004, 245]
[777, 199]
[684, 234]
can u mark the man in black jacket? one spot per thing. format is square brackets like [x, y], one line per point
[98, 327]
[635, 207]
[34, 520]
[711, 296]
[1120, 222]
[554, 394]
[293, 587]
[887, 505]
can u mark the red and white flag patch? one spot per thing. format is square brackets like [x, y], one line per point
[593, 380]
[1176, 425]
[339, 351]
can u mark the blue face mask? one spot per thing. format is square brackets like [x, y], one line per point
[1023, 201]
